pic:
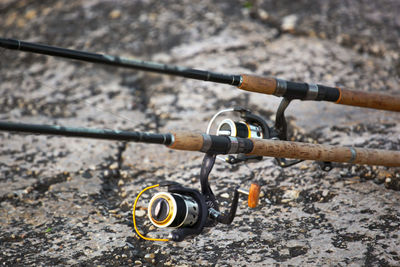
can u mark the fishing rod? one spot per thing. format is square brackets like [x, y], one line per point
[271, 86]
[222, 144]
[188, 210]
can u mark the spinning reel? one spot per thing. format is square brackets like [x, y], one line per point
[253, 126]
[188, 210]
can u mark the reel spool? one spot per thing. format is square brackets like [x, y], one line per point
[181, 208]
[172, 210]
[240, 129]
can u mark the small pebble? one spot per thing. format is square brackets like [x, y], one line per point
[291, 194]
[150, 256]
[115, 14]
[113, 166]
[140, 213]
[124, 174]
[28, 190]
[289, 23]
[124, 203]
[303, 167]
[225, 195]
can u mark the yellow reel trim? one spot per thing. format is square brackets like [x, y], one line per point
[134, 218]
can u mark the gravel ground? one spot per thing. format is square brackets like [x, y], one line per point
[66, 201]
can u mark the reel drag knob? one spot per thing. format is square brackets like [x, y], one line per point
[160, 210]
[253, 195]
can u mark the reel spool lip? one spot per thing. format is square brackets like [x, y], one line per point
[231, 123]
[172, 210]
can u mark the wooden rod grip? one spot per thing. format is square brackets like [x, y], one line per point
[369, 100]
[306, 151]
[258, 84]
[187, 141]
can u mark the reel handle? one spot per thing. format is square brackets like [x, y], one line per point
[228, 218]
[253, 195]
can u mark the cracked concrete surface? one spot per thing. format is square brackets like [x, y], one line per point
[67, 201]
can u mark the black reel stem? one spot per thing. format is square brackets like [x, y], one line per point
[280, 120]
[214, 214]
[206, 167]
[281, 131]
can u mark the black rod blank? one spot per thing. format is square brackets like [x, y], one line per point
[120, 61]
[165, 139]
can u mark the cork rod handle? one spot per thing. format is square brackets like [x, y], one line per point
[306, 151]
[369, 100]
[258, 84]
[187, 141]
